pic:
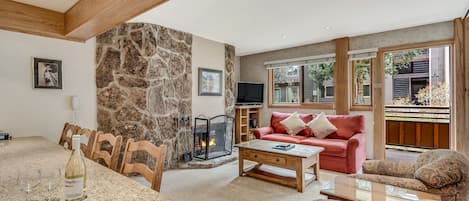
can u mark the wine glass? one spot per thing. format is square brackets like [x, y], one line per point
[52, 179]
[28, 180]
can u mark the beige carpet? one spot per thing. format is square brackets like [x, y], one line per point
[223, 184]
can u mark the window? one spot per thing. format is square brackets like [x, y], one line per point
[361, 82]
[318, 83]
[292, 94]
[419, 76]
[292, 72]
[286, 82]
[329, 92]
[306, 84]
[277, 95]
[366, 90]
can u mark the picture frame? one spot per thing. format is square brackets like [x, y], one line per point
[47, 73]
[210, 82]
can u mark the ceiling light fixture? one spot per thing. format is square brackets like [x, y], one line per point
[327, 28]
[284, 36]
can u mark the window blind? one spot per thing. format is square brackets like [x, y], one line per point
[362, 54]
[300, 61]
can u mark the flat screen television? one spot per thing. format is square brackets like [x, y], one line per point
[250, 93]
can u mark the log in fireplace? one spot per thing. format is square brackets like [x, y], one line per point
[213, 137]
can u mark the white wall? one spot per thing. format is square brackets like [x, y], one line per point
[25, 111]
[207, 54]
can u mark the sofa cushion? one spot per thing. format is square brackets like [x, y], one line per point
[321, 127]
[439, 168]
[293, 124]
[332, 147]
[284, 138]
[347, 125]
[408, 183]
[279, 116]
[440, 173]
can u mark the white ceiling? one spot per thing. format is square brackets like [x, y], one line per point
[56, 5]
[261, 25]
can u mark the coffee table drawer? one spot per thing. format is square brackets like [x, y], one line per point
[266, 158]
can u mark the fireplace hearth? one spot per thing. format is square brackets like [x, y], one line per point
[213, 137]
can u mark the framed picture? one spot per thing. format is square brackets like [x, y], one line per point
[210, 82]
[47, 74]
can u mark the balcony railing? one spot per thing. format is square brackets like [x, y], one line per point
[417, 126]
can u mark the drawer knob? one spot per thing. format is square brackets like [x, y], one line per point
[255, 156]
[277, 160]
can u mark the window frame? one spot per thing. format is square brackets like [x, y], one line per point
[300, 104]
[353, 105]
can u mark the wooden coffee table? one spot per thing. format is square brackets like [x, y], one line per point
[349, 189]
[297, 159]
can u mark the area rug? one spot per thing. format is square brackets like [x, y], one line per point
[223, 184]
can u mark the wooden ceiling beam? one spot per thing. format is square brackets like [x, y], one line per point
[88, 18]
[28, 19]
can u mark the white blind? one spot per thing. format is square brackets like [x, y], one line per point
[300, 61]
[362, 54]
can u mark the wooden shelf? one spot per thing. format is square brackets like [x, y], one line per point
[242, 119]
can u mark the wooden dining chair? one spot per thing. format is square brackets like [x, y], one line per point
[111, 159]
[158, 153]
[67, 132]
[87, 149]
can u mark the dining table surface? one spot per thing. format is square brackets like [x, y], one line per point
[37, 153]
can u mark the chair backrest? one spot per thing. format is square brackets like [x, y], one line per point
[109, 159]
[65, 137]
[158, 153]
[87, 148]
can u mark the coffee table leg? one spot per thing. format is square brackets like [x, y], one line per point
[316, 169]
[300, 175]
[240, 164]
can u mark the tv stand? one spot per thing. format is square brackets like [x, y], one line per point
[245, 113]
[248, 104]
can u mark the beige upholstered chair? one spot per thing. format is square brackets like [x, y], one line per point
[158, 153]
[66, 136]
[111, 159]
[442, 172]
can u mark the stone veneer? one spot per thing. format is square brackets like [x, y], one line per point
[230, 80]
[143, 80]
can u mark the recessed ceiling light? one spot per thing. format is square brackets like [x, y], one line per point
[284, 36]
[327, 27]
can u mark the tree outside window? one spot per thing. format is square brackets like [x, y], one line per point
[418, 76]
[361, 82]
[318, 83]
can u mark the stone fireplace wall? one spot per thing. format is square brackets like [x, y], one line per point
[143, 80]
[230, 80]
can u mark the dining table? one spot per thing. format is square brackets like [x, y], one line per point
[27, 153]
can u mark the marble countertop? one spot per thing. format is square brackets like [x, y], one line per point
[30, 153]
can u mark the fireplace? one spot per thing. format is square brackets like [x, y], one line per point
[213, 137]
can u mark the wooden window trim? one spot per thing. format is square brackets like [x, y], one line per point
[301, 104]
[361, 107]
[449, 42]
[379, 126]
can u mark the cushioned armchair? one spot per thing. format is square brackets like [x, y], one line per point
[442, 172]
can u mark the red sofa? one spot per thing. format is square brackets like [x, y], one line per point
[344, 150]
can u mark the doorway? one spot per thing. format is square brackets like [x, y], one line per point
[412, 100]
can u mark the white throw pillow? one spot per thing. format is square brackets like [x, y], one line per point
[293, 124]
[321, 126]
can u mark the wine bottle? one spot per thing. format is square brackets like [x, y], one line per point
[75, 173]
